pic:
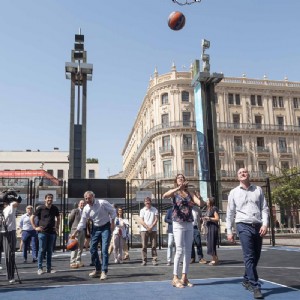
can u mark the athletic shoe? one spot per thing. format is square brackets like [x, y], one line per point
[247, 285]
[51, 271]
[154, 263]
[74, 266]
[1, 267]
[34, 260]
[40, 272]
[103, 276]
[202, 261]
[168, 263]
[12, 281]
[116, 261]
[95, 274]
[192, 260]
[257, 294]
[144, 263]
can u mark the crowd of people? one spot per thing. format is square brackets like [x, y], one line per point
[101, 222]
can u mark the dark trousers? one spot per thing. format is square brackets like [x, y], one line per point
[251, 242]
[197, 242]
[145, 236]
[27, 237]
[9, 247]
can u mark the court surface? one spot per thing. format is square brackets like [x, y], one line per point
[279, 271]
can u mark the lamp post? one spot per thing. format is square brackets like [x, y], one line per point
[204, 90]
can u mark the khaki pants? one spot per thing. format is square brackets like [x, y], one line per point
[145, 236]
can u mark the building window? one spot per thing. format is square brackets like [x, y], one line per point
[216, 98]
[280, 102]
[253, 100]
[282, 145]
[298, 121]
[280, 122]
[295, 102]
[259, 100]
[185, 96]
[166, 142]
[236, 120]
[189, 167]
[257, 120]
[50, 172]
[187, 141]
[230, 98]
[91, 174]
[164, 98]
[239, 164]
[234, 98]
[186, 118]
[60, 174]
[262, 166]
[165, 120]
[167, 169]
[285, 165]
[274, 101]
[260, 142]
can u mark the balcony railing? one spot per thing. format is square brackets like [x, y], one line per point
[284, 150]
[261, 149]
[189, 147]
[165, 150]
[255, 126]
[239, 148]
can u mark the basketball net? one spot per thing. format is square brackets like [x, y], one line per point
[185, 2]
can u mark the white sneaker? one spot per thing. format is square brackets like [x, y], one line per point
[103, 276]
[116, 261]
[12, 281]
[40, 272]
[1, 267]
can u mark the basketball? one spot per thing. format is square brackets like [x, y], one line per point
[72, 244]
[176, 20]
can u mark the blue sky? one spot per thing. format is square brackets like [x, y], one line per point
[125, 41]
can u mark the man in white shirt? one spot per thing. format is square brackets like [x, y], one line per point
[148, 220]
[102, 213]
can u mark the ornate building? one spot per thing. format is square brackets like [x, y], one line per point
[258, 125]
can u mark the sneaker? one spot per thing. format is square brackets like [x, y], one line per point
[34, 260]
[74, 266]
[126, 257]
[12, 281]
[144, 263]
[116, 261]
[51, 271]
[154, 263]
[257, 294]
[103, 276]
[247, 285]
[1, 267]
[202, 261]
[168, 263]
[40, 272]
[192, 260]
[95, 274]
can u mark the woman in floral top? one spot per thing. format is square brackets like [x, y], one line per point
[182, 216]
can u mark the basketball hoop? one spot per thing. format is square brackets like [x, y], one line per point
[185, 2]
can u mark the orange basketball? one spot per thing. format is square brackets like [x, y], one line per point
[72, 245]
[176, 20]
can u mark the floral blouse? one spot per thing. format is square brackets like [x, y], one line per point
[182, 208]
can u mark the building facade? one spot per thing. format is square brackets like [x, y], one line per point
[258, 125]
[55, 163]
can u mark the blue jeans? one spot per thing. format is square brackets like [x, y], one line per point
[27, 237]
[100, 233]
[46, 243]
[197, 242]
[251, 243]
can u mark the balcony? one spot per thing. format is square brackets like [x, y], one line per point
[189, 149]
[166, 150]
[240, 150]
[285, 152]
[263, 151]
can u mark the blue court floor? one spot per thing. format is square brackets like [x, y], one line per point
[213, 288]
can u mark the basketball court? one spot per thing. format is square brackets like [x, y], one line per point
[279, 271]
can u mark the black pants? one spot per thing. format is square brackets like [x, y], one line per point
[9, 247]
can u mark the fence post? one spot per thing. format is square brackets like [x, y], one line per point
[271, 212]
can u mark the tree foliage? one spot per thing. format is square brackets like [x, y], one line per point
[285, 189]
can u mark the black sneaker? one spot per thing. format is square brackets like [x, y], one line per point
[257, 294]
[247, 285]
